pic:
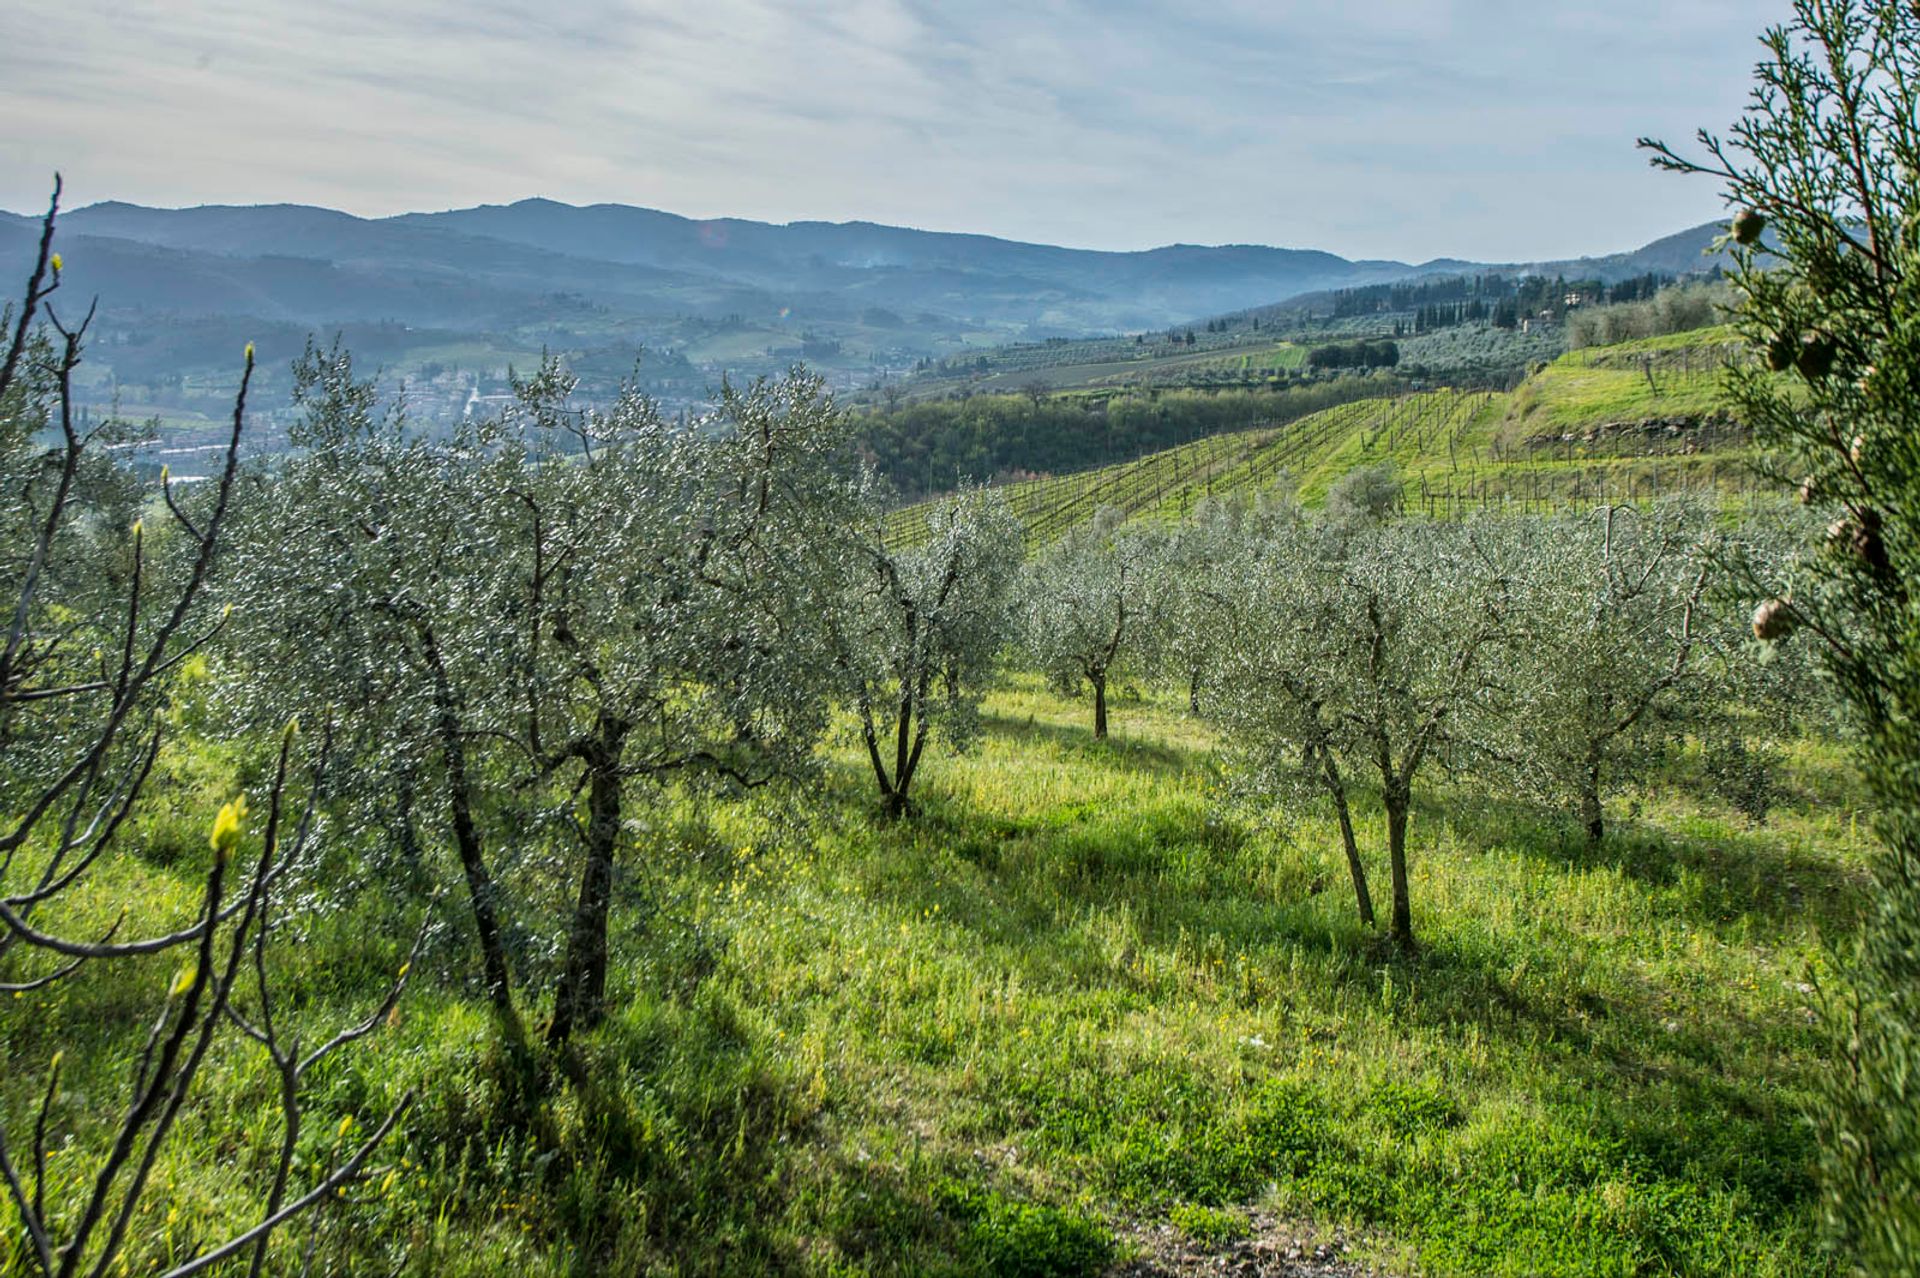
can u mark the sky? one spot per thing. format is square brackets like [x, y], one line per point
[1410, 129]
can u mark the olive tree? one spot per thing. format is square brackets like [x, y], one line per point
[1614, 619]
[1184, 634]
[1365, 496]
[1085, 605]
[1823, 170]
[102, 616]
[918, 630]
[1269, 595]
[359, 578]
[668, 587]
[1365, 652]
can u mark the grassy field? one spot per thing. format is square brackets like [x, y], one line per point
[1079, 994]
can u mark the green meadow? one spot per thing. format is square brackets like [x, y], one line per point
[1083, 992]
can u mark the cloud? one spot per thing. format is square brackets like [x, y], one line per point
[1408, 128]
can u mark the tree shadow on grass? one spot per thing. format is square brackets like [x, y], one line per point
[1184, 880]
[700, 1140]
[1669, 1083]
[1712, 880]
[1135, 753]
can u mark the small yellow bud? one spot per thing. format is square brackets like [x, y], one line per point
[54, 1064]
[226, 827]
[226, 612]
[387, 1184]
[293, 726]
[164, 472]
[57, 262]
[182, 981]
[138, 526]
[249, 352]
[404, 969]
[346, 1125]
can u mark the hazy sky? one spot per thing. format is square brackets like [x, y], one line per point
[1491, 129]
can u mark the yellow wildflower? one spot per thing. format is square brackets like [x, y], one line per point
[226, 827]
[57, 262]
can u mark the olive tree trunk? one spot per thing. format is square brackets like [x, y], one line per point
[482, 895]
[1592, 815]
[1398, 800]
[1336, 786]
[582, 992]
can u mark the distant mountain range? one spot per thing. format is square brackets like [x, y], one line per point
[472, 269]
[727, 293]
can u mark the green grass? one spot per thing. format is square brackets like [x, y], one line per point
[1077, 991]
[1568, 397]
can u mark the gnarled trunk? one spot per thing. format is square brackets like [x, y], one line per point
[1591, 813]
[1099, 681]
[910, 734]
[579, 1001]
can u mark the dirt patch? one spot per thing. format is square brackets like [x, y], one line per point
[1272, 1248]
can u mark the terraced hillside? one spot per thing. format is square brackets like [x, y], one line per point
[1620, 423]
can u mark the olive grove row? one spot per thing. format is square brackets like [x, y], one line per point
[1558, 659]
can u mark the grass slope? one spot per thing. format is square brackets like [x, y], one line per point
[1075, 993]
[1676, 375]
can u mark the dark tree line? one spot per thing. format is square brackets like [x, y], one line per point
[1456, 299]
[1354, 355]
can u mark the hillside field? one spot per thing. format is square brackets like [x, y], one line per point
[1614, 423]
